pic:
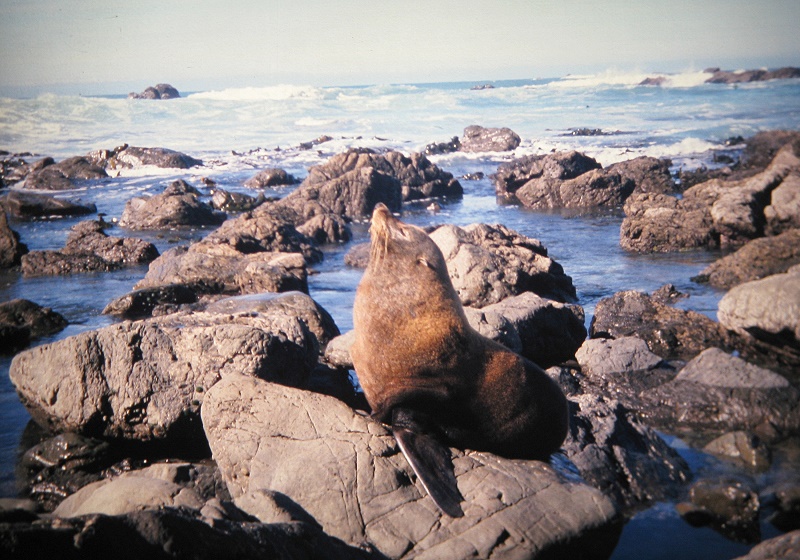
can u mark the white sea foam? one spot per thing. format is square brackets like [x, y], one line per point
[269, 93]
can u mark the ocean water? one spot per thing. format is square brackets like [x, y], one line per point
[240, 131]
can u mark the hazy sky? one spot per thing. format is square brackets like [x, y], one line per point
[211, 44]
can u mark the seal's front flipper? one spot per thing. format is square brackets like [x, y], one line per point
[429, 459]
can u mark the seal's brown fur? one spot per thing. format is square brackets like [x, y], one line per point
[415, 349]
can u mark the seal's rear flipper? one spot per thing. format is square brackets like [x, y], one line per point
[429, 459]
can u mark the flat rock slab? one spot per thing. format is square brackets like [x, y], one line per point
[346, 471]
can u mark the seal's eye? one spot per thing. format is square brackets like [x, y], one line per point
[424, 262]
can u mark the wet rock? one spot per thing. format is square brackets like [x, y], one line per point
[731, 506]
[271, 177]
[743, 448]
[785, 501]
[141, 303]
[649, 174]
[345, 471]
[437, 148]
[11, 249]
[146, 380]
[560, 165]
[756, 259]
[169, 533]
[479, 139]
[159, 91]
[719, 392]
[89, 249]
[619, 455]
[488, 263]
[669, 332]
[22, 320]
[544, 331]
[726, 213]
[49, 175]
[61, 465]
[776, 548]
[26, 205]
[768, 309]
[179, 205]
[235, 202]
[220, 269]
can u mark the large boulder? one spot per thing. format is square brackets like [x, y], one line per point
[11, 249]
[544, 331]
[46, 174]
[560, 165]
[595, 188]
[147, 380]
[756, 259]
[714, 213]
[27, 205]
[179, 205]
[777, 548]
[768, 309]
[419, 178]
[346, 471]
[89, 249]
[479, 139]
[489, 263]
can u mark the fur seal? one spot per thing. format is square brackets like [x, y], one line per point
[439, 382]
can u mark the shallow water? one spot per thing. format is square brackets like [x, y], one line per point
[236, 133]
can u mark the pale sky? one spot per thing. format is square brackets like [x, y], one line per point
[109, 45]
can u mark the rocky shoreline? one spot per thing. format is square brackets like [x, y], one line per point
[217, 416]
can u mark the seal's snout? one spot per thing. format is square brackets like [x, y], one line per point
[381, 213]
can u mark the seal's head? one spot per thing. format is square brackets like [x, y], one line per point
[399, 251]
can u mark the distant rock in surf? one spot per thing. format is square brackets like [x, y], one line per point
[479, 139]
[744, 76]
[159, 91]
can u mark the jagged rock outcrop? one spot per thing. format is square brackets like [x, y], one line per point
[488, 263]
